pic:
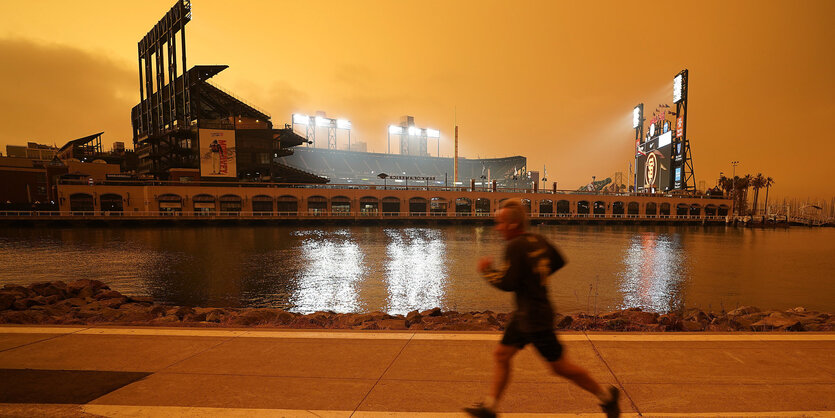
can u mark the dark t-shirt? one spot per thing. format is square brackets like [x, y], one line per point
[529, 260]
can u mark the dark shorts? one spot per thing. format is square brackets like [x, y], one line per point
[544, 341]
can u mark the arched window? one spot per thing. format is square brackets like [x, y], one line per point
[632, 208]
[391, 206]
[287, 205]
[417, 206]
[599, 207]
[664, 209]
[482, 207]
[710, 210]
[369, 205]
[583, 207]
[617, 208]
[262, 205]
[82, 202]
[563, 207]
[170, 204]
[695, 210]
[230, 204]
[317, 205]
[723, 210]
[526, 203]
[682, 209]
[340, 205]
[204, 204]
[437, 206]
[111, 202]
[651, 209]
[463, 206]
[546, 207]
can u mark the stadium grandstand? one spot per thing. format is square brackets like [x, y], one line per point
[346, 167]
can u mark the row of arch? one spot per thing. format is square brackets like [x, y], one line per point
[415, 206]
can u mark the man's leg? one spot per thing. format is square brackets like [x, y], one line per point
[580, 377]
[502, 356]
[576, 374]
[501, 375]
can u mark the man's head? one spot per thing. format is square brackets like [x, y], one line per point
[511, 219]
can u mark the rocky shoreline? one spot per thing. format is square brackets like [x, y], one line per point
[91, 302]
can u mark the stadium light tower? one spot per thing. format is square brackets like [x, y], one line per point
[393, 130]
[408, 133]
[638, 126]
[321, 121]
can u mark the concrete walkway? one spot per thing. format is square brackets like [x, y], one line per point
[111, 371]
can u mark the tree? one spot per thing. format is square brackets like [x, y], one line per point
[742, 184]
[727, 184]
[768, 183]
[757, 182]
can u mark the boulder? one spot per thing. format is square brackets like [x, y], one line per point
[778, 321]
[563, 321]
[641, 317]
[255, 317]
[396, 324]
[141, 299]
[183, 311]
[158, 310]
[744, 310]
[696, 315]
[692, 326]
[216, 315]
[414, 317]
[432, 312]
[6, 301]
[617, 324]
[23, 304]
[109, 294]
[50, 289]
[22, 317]
[93, 286]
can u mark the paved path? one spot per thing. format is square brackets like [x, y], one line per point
[111, 371]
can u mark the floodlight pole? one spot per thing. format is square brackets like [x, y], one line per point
[639, 133]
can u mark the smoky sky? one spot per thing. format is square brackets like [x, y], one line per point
[554, 81]
[53, 94]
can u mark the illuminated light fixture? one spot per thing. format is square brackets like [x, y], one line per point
[414, 131]
[636, 117]
[343, 124]
[433, 133]
[678, 87]
[320, 121]
[301, 119]
[395, 130]
[652, 130]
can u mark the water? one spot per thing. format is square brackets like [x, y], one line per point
[400, 268]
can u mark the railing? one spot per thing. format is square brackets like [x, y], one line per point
[417, 187]
[330, 215]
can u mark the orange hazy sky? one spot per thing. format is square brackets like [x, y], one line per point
[554, 81]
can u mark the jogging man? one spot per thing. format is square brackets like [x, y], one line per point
[529, 260]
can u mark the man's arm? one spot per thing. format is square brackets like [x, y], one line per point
[506, 277]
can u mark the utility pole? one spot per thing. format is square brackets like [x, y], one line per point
[733, 187]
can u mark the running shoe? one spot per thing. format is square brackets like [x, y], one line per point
[480, 411]
[611, 408]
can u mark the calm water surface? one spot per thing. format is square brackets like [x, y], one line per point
[400, 268]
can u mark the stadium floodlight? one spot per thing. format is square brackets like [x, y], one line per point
[321, 121]
[301, 119]
[636, 116]
[395, 130]
[343, 124]
[433, 133]
[679, 87]
[414, 131]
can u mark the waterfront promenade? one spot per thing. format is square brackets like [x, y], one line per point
[113, 371]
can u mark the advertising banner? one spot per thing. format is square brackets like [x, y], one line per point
[217, 153]
[679, 126]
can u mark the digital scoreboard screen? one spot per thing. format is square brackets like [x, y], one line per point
[654, 162]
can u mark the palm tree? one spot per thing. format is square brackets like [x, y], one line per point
[768, 183]
[757, 182]
[742, 184]
[727, 184]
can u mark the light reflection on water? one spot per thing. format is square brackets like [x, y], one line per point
[653, 272]
[332, 271]
[415, 269]
[400, 268]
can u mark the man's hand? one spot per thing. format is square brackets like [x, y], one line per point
[484, 264]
